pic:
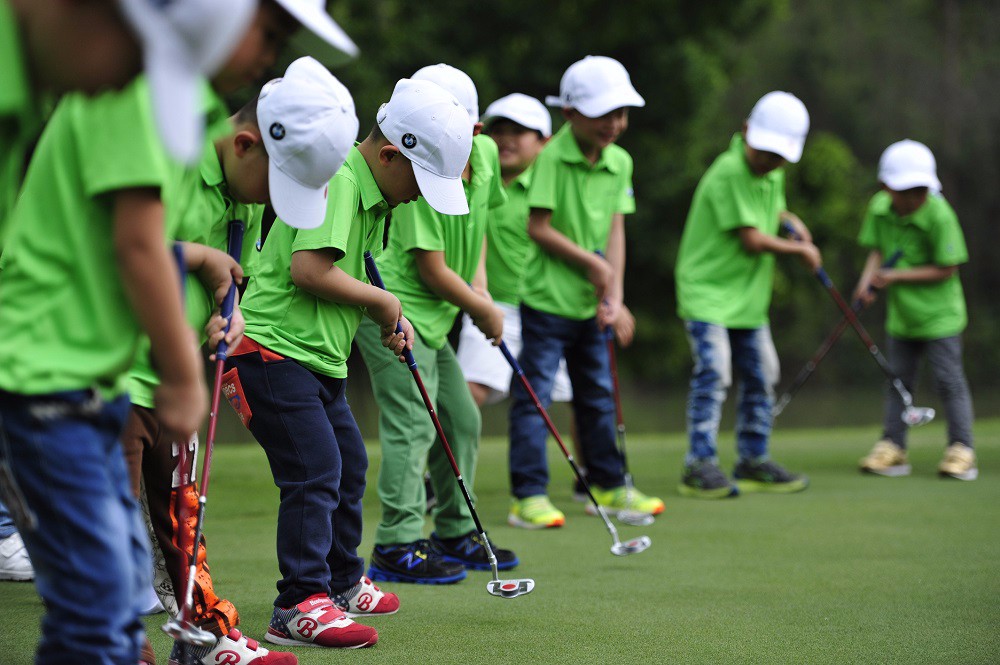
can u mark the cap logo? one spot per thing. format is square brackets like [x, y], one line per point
[277, 131]
[409, 141]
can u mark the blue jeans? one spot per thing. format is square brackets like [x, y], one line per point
[7, 528]
[89, 547]
[547, 339]
[305, 426]
[716, 350]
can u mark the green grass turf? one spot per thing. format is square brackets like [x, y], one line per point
[854, 570]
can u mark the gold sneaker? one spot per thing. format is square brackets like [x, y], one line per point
[886, 459]
[959, 462]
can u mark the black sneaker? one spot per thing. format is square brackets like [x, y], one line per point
[768, 476]
[704, 479]
[416, 562]
[469, 551]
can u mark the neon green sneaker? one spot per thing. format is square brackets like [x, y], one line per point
[535, 512]
[623, 498]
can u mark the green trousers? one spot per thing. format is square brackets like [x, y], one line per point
[409, 440]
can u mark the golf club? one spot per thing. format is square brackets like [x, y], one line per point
[824, 348]
[182, 628]
[618, 548]
[913, 416]
[496, 587]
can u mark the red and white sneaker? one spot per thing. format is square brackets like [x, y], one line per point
[368, 601]
[316, 622]
[234, 649]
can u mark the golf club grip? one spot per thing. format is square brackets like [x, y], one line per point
[376, 279]
[235, 250]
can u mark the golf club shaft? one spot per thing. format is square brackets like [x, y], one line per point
[824, 348]
[609, 337]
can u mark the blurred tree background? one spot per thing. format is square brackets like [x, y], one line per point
[870, 73]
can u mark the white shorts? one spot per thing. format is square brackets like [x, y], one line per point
[483, 363]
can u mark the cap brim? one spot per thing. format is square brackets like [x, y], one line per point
[321, 37]
[609, 101]
[446, 195]
[902, 181]
[295, 204]
[789, 147]
[175, 92]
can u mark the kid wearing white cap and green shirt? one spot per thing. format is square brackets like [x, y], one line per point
[434, 251]
[926, 305]
[725, 273]
[580, 192]
[289, 375]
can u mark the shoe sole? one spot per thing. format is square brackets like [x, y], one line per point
[16, 577]
[477, 565]
[719, 493]
[376, 574]
[366, 615]
[516, 521]
[889, 471]
[971, 474]
[759, 487]
[292, 642]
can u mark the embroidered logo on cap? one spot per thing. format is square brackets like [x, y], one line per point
[277, 131]
[409, 141]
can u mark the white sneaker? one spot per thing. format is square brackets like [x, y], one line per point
[316, 622]
[14, 562]
[234, 649]
[368, 601]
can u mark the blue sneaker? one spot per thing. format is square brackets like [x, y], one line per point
[416, 563]
[469, 551]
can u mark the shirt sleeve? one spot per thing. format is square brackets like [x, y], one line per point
[544, 182]
[868, 236]
[733, 205]
[946, 235]
[343, 202]
[418, 226]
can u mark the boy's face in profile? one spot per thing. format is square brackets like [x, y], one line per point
[761, 162]
[519, 146]
[258, 50]
[246, 175]
[598, 132]
[907, 201]
[395, 178]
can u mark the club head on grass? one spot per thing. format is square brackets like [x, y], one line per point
[634, 546]
[915, 416]
[188, 633]
[510, 588]
[626, 516]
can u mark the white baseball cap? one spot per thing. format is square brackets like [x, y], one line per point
[454, 81]
[778, 123]
[308, 124]
[183, 41]
[907, 164]
[522, 109]
[434, 131]
[322, 37]
[594, 86]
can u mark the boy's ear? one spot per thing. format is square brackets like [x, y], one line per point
[244, 141]
[387, 153]
[477, 129]
[744, 130]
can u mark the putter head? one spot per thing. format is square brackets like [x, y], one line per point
[915, 416]
[510, 588]
[189, 633]
[625, 516]
[634, 546]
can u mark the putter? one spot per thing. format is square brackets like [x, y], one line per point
[618, 548]
[182, 628]
[496, 587]
[627, 516]
[913, 416]
[824, 348]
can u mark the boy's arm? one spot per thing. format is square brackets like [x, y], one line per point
[315, 271]
[611, 306]
[479, 282]
[756, 242]
[216, 271]
[448, 285]
[863, 291]
[599, 271]
[143, 261]
[917, 275]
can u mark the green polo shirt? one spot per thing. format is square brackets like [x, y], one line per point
[583, 197]
[20, 116]
[718, 280]
[929, 236]
[418, 226]
[507, 241]
[200, 212]
[290, 320]
[65, 321]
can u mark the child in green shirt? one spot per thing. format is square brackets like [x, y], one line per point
[926, 305]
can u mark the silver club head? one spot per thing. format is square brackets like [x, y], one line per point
[915, 416]
[634, 546]
[188, 633]
[510, 588]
